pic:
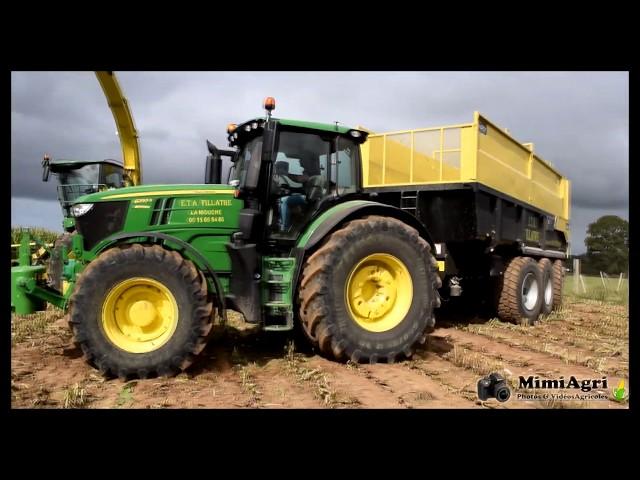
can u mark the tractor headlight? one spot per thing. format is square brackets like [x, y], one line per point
[80, 209]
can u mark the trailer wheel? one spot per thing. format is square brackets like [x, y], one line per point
[520, 297]
[557, 273]
[140, 312]
[54, 269]
[369, 291]
[547, 285]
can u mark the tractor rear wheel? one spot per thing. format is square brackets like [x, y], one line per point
[547, 285]
[368, 293]
[520, 294]
[140, 311]
[558, 283]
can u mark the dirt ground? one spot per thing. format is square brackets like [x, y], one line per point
[243, 369]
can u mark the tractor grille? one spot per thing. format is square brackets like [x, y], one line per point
[161, 210]
[102, 221]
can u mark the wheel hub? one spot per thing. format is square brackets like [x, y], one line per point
[379, 292]
[142, 313]
[548, 292]
[139, 315]
[529, 292]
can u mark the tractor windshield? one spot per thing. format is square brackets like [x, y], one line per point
[252, 150]
[75, 182]
[84, 175]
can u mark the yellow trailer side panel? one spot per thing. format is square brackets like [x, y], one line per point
[476, 152]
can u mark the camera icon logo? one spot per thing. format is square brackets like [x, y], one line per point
[493, 386]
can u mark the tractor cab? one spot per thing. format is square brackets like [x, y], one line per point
[289, 171]
[81, 177]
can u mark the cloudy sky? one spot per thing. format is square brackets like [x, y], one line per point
[578, 120]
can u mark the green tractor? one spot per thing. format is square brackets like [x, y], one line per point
[289, 236]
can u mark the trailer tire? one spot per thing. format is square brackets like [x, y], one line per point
[140, 312]
[546, 269]
[356, 296]
[56, 262]
[520, 298]
[557, 273]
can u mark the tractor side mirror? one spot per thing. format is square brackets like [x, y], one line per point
[213, 170]
[45, 168]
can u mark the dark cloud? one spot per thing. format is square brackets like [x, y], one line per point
[578, 120]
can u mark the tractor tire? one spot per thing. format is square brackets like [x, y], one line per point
[368, 293]
[520, 297]
[547, 285]
[56, 262]
[140, 312]
[558, 283]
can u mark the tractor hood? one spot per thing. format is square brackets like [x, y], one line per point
[149, 191]
[171, 209]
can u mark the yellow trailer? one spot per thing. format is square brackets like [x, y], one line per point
[477, 152]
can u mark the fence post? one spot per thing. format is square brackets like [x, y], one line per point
[604, 284]
[584, 289]
[576, 275]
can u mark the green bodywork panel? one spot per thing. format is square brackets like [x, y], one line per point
[327, 127]
[204, 216]
[68, 223]
[150, 191]
[304, 239]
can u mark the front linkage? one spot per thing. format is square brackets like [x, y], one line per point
[29, 289]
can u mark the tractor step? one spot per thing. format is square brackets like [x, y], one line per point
[280, 327]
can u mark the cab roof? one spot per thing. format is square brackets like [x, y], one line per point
[75, 162]
[327, 127]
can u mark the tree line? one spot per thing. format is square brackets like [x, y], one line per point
[607, 243]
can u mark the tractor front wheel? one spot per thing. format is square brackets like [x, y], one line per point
[140, 311]
[369, 291]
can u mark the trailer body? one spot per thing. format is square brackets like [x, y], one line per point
[474, 187]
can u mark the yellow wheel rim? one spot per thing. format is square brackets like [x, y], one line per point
[139, 315]
[379, 292]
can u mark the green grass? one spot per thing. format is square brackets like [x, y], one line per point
[595, 290]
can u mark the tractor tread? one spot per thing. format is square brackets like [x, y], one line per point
[92, 276]
[314, 310]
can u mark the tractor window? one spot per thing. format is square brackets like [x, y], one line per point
[112, 175]
[238, 170]
[343, 164]
[76, 182]
[299, 180]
